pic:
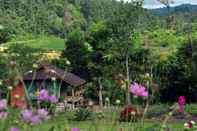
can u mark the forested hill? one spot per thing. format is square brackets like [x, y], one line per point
[184, 8]
[100, 37]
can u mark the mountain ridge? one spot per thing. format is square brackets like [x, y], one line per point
[180, 8]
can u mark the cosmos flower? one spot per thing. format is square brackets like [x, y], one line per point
[75, 129]
[138, 90]
[189, 125]
[43, 114]
[181, 102]
[3, 104]
[35, 120]
[27, 115]
[14, 129]
[43, 95]
[53, 99]
[3, 115]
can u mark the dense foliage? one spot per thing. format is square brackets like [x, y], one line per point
[110, 44]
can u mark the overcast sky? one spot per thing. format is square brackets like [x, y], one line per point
[155, 4]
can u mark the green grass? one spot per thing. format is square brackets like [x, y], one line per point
[63, 121]
[41, 42]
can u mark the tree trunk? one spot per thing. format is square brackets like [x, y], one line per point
[100, 92]
[128, 98]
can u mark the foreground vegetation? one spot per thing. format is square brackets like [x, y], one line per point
[65, 121]
[124, 52]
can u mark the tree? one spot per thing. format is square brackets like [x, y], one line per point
[17, 60]
[167, 4]
[123, 28]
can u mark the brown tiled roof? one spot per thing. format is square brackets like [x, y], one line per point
[46, 72]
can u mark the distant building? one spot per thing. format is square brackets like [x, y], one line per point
[57, 81]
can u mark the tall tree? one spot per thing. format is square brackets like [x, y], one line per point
[167, 4]
[123, 23]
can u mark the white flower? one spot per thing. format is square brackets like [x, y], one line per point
[133, 113]
[192, 122]
[185, 124]
[1, 82]
[107, 99]
[10, 87]
[1, 27]
[30, 71]
[147, 75]
[53, 71]
[53, 78]
[117, 102]
[67, 62]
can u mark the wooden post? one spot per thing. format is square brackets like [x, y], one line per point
[73, 95]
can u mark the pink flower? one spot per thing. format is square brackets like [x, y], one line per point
[182, 100]
[3, 115]
[14, 129]
[53, 99]
[3, 105]
[27, 115]
[35, 120]
[75, 129]
[43, 114]
[138, 90]
[36, 117]
[181, 103]
[189, 125]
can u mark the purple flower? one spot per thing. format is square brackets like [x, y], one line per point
[75, 129]
[43, 95]
[14, 129]
[138, 90]
[3, 115]
[43, 114]
[35, 120]
[3, 105]
[53, 99]
[27, 115]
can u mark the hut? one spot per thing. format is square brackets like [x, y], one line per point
[57, 81]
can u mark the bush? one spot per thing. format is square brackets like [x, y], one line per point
[83, 114]
[5, 34]
[100, 115]
[129, 113]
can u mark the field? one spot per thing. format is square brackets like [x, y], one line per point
[47, 43]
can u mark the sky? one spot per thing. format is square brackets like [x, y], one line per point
[155, 4]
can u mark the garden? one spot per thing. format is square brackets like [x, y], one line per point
[98, 65]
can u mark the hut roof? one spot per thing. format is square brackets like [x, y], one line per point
[47, 72]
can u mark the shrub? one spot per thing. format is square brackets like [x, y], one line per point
[130, 113]
[5, 34]
[83, 114]
[100, 114]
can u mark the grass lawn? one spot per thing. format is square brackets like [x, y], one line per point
[62, 121]
[61, 124]
[42, 42]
